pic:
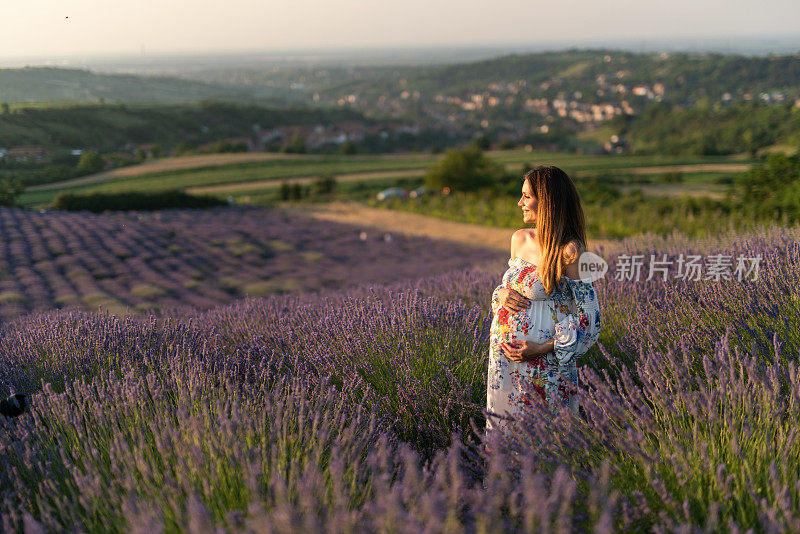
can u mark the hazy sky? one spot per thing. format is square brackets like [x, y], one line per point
[69, 27]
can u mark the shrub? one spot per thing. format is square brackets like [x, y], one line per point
[296, 146]
[10, 189]
[289, 191]
[348, 148]
[90, 163]
[467, 169]
[224, 147]
[100, 202]
[324, 185]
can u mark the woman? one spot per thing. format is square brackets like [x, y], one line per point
[545, 317]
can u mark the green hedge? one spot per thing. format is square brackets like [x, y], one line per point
[99, 202]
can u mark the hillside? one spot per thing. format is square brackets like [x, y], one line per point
[685, 76]
[547, 99]
[111, 127]
[742, 127]
[48, 84]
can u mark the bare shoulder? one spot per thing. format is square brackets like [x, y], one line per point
[523, 234]
[520, 237]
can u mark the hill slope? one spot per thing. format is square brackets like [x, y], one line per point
[110, 127]
[47, 84]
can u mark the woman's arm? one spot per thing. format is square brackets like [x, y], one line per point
[577, 332]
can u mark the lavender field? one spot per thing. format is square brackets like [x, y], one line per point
[141, 262]
[360, 409]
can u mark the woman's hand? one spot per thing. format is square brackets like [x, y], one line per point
[512, 300]
[525, 351]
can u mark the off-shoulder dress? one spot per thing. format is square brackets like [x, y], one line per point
[570, 315]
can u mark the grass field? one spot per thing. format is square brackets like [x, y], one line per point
[180, 173]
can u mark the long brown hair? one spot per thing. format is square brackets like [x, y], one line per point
[559, 220]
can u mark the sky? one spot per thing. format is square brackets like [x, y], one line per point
[59, 28]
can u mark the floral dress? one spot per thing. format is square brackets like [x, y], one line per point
[570, 316]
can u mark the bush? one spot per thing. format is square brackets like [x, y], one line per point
[508, 144]
[296, 146]
[482, 142]
[772, 188]
[324, 185]
[99, 202]
[292, 191]
[90, 163]
[467, 169]
[348, 148]
[10, 189]
[224, 147]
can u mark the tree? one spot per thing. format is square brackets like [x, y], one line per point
[5, 108]
[705, 146]
[467, 169]
[90, 162]
[225, 147]
[348, 148]
[10, 189]
[481, 142]
[508, 144]
[292, 191]
[296, 146]
[771, 188]
[324, 185]
[183, 148]
[297, 192]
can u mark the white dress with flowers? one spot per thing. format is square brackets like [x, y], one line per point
[570, 316]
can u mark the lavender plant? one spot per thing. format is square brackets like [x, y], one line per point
[359, 410]
[142, 262]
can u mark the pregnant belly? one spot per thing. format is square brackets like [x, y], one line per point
[534, 324]
[511, 325]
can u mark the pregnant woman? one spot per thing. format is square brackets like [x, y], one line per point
[545, 316]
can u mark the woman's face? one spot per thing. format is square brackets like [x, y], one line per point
[528, 203]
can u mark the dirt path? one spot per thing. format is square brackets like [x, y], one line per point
[418, 225]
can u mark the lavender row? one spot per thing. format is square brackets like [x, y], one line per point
[128, 263]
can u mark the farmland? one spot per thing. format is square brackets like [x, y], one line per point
[240, 170]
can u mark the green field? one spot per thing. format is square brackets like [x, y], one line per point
[310, 166]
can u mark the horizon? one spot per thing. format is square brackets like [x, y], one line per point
[745, 45]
